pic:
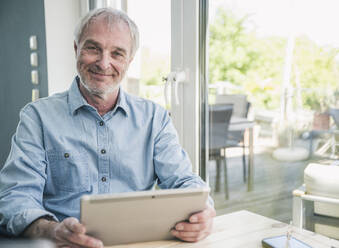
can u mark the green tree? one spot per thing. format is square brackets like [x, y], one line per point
[318, 71]
[238, 55]
[230, 56]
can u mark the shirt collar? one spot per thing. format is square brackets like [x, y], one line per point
[122, 103]
[76, 100]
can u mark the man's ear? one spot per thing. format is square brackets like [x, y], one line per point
[75, 49]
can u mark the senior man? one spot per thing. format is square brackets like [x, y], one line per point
[92, 139]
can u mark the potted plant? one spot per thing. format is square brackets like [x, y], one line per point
[319, 103]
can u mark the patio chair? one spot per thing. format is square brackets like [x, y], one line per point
[239, 102]
[316, 203]
[240, 109]
[331, 142]
[219, 119]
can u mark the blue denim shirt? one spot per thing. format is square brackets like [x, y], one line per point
[63, 149]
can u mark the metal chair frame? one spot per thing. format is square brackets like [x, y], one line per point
[220, 116]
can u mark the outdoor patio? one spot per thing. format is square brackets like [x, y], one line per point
[273, 184]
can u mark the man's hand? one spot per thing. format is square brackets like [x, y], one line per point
[68, 233]
[198, 227]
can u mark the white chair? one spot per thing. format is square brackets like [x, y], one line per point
[316, 203]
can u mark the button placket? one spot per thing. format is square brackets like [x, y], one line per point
[103, 159]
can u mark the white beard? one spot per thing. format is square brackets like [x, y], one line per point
[102, 93]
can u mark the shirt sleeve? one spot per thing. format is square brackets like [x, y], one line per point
[23, 177]
[172, 164]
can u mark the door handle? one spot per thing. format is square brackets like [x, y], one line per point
[174, 78]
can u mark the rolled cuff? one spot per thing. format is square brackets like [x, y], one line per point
[19, 222]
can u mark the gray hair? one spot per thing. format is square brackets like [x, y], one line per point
[113, 16]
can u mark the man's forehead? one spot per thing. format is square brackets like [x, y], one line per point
[112, 32]
[106, 23]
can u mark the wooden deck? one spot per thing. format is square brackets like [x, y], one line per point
[274, 182]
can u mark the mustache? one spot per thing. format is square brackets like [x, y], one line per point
[96, 69]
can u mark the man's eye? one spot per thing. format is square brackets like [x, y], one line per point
[117, 54]
[91, 48]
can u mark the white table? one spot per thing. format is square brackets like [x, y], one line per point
[242, 229]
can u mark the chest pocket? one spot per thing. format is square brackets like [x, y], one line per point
[69, 170]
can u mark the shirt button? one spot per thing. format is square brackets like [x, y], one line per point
[103, 151]
[103, 179]
[66, 155]
[101, 123]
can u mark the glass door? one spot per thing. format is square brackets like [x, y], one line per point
[164, 69]
[283, 57]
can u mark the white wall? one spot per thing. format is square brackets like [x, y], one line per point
[61, 17]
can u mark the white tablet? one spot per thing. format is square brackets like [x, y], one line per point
[139, 216]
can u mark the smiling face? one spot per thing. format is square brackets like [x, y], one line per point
[103, 56]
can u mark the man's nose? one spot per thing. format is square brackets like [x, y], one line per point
[104, 61]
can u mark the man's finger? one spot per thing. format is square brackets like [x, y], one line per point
[85, 241]
[189, 236]
[68, 246]
[203, 216]
[74, 225]
[192, 240]
[61, 233]
[188, 227]
[72, 233]
[185, 234]
[77, 239]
